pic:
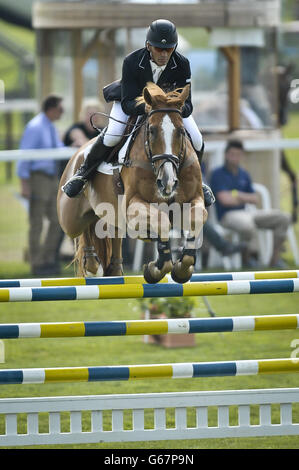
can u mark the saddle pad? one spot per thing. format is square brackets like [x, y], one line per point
[108, 168]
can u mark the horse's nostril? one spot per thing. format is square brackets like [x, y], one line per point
[161, 186]
[166, 189]
[159, 183]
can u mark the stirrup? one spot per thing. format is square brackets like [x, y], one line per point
[208, 194]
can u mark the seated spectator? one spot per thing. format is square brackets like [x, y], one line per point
[213, 237]
[233, 189]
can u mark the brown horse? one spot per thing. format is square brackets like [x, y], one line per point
[162, 184]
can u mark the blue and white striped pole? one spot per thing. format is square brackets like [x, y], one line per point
[115, 280]
[31, 294]
[152, 371]
[149, 327]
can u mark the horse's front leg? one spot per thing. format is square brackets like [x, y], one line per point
[184, 266]
[151, 223]
[154, 271]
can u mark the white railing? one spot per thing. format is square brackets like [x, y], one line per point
[62, 153]
[250, 145]
[129, 422]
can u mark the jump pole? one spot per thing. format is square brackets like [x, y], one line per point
[30, 294]
[151, 371]
[149, 327]
[91, 281]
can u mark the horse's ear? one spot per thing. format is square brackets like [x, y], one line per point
[147, 96]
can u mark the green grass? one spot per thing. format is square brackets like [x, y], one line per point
[291, 131]
[9, 66]
[12, 74]
[73, 352]
[22, 36]
[197, 37]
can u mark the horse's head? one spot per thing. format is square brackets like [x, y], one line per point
[165, 135]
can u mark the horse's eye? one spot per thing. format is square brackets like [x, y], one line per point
[181, 130]
[153, 131]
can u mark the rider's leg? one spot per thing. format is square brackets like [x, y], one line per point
[198, 144]
[98, 152]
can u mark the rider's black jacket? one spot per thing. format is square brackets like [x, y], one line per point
[137, 72]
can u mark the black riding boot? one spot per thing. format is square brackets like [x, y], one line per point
[98, 154]
[209, 197]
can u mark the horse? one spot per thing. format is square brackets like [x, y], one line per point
[161, 172]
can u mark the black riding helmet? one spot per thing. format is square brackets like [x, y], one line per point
[162, 33]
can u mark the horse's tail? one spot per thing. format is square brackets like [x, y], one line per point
[93, 254]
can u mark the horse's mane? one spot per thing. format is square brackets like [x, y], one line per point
[159, 96]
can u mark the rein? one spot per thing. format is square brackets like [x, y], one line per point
[117, 120]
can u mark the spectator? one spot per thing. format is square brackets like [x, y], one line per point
[214, 239]
[39, 184]
[82, 131]
[233, 189]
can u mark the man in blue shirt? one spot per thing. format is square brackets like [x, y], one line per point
[39, 184]
[233, 189]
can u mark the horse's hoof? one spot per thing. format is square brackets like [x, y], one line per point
[152, 274]
[181, 279]
[149, 278]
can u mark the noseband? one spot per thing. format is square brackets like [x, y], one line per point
[176, 160]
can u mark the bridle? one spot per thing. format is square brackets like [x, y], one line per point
[176, 160]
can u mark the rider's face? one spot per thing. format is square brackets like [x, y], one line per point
[160, 56]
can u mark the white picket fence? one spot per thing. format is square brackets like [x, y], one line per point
[146, 417]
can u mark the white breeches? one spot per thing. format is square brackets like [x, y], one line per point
[115, 129]
[192, 129]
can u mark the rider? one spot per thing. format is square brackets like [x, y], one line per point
[159, 62]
